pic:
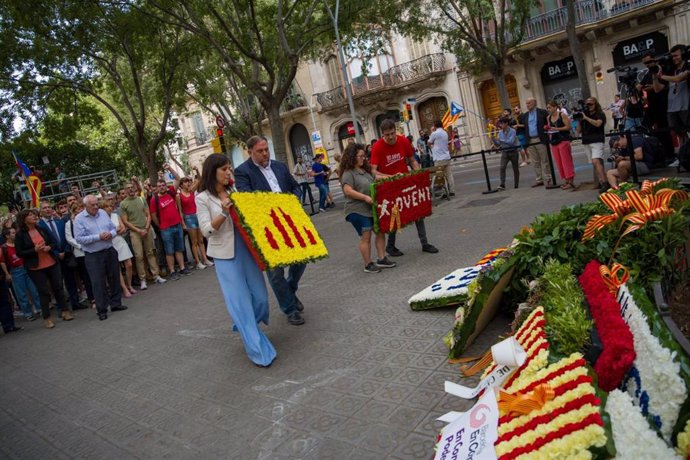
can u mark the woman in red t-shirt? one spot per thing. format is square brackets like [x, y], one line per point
[16, 273]
[187, 208]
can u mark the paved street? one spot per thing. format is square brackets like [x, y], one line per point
[363, 378]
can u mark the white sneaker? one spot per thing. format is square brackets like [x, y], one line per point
[524, 163]
[142, 285]
[83, 297]
[160, 280]
[674, 164]
[200, 266]
[209, 263]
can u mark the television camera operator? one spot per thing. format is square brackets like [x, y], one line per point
[644, 158]
[655, 117]
[591, 122]
[675, 74]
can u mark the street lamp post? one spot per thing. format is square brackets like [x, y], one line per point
[346, 80]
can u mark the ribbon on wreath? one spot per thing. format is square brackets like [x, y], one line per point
[650, 207]
[524, 403]
[597, 222]
[395, 218]
[615, 276]
[647, 187]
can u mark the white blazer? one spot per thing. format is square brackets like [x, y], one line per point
[76, 247]
[221, 242]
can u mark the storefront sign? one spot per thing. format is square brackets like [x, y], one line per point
[558, 70]
[631, 51]
[401, 201]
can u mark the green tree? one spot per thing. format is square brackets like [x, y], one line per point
[481, 33]
[262, 43]
[113, 53]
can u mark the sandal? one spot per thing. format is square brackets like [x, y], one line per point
[567, 186]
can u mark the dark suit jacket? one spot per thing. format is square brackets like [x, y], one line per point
[62, 244]
[542, 115]
[25, 247]
[249, 178]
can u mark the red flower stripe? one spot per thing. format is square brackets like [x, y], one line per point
[511, 379]
[552, 436]
[618, 352]
[293, 227]
[526, 328]
[541, 335]
[312, 240]
[272, 241]
[545, 418]
[554, 374]
[281, 228]
[558, 391]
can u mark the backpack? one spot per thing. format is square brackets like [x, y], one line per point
[684, 156]
[656, 149]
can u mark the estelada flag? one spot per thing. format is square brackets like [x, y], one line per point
[452, 114]
[32, 180]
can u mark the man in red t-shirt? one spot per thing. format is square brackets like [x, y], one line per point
[389, 156]
[166, 216]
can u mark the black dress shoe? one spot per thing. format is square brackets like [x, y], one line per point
[13, 329]
[299, 305]
[430, 248]
[118, 308]
[80, 306]
[102, 316]
[394, 252]
[295, 318]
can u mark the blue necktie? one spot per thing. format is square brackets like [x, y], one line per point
[53, 228]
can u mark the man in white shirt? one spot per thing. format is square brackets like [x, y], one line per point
[438, 141]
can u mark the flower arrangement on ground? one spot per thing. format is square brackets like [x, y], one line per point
[276, 229]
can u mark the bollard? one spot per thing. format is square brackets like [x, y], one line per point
[486, 175]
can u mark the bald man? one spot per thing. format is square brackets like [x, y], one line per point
[533, 122]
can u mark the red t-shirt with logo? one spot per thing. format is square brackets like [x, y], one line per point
[168, 214]
[391, 159]
[13, 261]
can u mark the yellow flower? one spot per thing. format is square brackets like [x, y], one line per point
[572, 374]
[574, 445]
[683, 441]
[281, 232]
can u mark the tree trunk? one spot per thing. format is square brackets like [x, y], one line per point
[575, 49]
[500, 79]
[277, 135]
[149, 160]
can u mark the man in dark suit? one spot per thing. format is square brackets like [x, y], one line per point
[260, 173]
[56, 227]
[533, 122]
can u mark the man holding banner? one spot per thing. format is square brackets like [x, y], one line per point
[389, 157]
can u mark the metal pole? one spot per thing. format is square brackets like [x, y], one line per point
[341, 55]
[486, 176]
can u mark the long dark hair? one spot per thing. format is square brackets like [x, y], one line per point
[349, 159]
[21, 217]
[208, 172]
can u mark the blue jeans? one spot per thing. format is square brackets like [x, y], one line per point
[285, 289]
[173, 239]
[23, 287]
[323, 193]
[632, 124]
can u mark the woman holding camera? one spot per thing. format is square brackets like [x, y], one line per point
[558, 128]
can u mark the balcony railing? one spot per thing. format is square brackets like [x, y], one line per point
[291, 102]
[200, 138]
[398, 75]
[587, 12]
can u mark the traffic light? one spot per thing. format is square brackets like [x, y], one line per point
[405, 113]
[215, 143]
[220, 142]
[408, 109]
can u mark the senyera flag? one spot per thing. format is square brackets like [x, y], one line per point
[32, 180]
[401, 200]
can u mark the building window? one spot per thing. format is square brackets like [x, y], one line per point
[199, 130]
[334, 71]
[417, 49]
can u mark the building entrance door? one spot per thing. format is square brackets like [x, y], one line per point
[429, 111]
[491, 101]
[300, 144]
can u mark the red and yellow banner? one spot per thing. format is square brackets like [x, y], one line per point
[401, 200]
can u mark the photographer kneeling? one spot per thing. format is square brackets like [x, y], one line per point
[644, 160]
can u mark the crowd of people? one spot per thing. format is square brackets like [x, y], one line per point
[91, 251]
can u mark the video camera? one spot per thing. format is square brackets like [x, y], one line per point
[665, 61]
[578, 111]
[626, 75]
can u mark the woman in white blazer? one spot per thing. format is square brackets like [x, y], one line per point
[240, 279]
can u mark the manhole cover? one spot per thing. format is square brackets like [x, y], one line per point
[484, 202]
